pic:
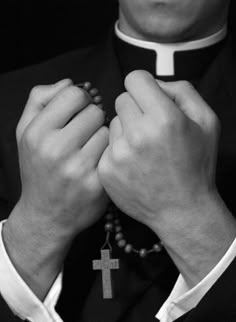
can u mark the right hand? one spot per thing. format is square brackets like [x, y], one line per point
[60, 139]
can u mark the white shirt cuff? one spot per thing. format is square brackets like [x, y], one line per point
[19, 297]
[182, 299]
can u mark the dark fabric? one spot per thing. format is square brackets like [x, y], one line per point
[219, 303]
[189, 65]
[141, 286]
[5, 314]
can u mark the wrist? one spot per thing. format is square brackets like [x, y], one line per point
[197, 237]
[37, 259]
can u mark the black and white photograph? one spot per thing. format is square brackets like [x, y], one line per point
[118, 161]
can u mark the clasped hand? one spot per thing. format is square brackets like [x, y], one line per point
[156, 163]
[158, 156]
[161, 157]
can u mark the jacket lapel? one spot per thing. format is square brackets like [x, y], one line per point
[217, 88]
[139, 291]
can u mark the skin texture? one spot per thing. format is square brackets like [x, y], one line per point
[172, 20]
[61, 194]
[159, 168]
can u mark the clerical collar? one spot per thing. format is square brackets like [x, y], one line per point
[182, 60]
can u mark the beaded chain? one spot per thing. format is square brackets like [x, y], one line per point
[113, 224]
[92, 92]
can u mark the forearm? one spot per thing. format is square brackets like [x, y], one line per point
[198, 241]
[37, 257]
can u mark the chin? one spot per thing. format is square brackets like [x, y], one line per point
[166, 30]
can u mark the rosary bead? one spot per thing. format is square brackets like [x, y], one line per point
[108, 226]
[87, 86]
[113, 225]
[118, 229]
[109, 216]
[128, 248]
[143, 252]
[121, 243]
[157, 248]
[97, 99]
[117, 221]
[93, 91]
[119, 236]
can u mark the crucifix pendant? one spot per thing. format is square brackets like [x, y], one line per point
[106, 264]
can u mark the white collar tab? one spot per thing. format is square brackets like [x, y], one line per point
[165, 52]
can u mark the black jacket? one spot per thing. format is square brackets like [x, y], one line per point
[141, 286]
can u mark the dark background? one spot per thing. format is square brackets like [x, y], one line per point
[33, 30]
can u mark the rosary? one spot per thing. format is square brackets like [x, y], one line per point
[113, 226]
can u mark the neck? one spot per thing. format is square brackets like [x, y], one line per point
[190, 34]
[175, 46]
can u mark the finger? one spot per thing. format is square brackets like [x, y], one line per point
[39, 97]
[96, 145]
[62, 108]
[147, 94]
[115, 130]
[78, 131]
[128, 111]
[190, 102]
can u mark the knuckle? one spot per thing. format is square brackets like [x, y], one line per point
[121, 98]
[120, 152]
[184, 85]
[83, 165]
[36, 93]
[30, 139]
[104, 132]
[169, 121]
[49, 152]
[91, 185]
[114, 121]
[77, 169]
[97, 112]
[103, 166]
[70, 172]
[121, 101]
[134, 75]
[137, 140]
[75, 93]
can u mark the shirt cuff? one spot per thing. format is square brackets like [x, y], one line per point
[19, 297]
[182, 299]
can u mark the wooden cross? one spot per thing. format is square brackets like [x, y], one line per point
[106, 264]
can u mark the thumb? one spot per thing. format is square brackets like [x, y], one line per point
[39, 97]
[190, 102]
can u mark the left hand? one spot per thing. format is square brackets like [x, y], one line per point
[162, 150]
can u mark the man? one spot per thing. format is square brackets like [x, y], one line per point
[156, 163]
